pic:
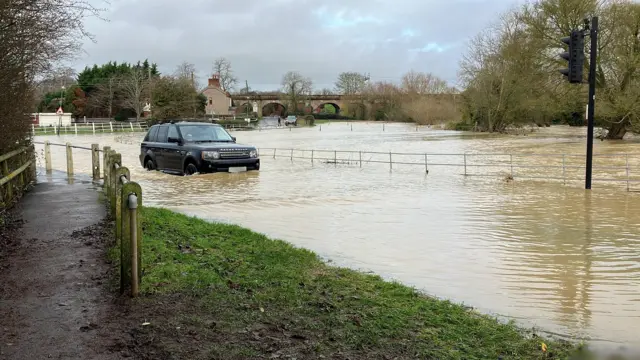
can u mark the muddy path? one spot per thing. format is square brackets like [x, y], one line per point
[55, 294]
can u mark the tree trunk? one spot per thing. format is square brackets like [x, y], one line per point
[617, 131]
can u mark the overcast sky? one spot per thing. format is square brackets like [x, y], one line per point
[264, 39]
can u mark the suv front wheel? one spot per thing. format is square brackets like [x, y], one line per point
[190, 169]
[150, 165]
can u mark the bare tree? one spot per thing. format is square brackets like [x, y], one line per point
[351, 83]
[222, 67]
[186, 71]
[35, 36]
[134, 88]
[104, 97]
[295, 88]
[327, 91]
[420, 83]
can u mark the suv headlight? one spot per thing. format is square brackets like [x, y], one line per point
[210, 155]
[253, 153]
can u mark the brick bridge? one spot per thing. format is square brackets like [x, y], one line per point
[351, 105]
[267, 104]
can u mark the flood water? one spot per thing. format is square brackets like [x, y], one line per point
[547, 254]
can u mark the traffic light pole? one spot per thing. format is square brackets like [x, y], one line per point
[592, 97]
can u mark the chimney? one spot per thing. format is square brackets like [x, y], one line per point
[215, 81]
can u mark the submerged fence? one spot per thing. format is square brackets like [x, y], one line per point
[617, 168]
[89, 128]
[124, 198]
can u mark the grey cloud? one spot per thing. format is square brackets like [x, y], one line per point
[266, 38]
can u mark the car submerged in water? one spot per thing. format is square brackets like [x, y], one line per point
[187, 148]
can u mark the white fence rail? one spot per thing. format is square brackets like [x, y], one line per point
[89, 128]
[617, 168]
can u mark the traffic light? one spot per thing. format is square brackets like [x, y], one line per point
[575, 56]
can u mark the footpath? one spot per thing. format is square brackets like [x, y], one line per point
[54, 276]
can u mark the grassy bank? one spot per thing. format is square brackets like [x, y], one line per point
[222, 291]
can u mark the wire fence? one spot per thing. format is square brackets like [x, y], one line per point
[89, 128]
[614, 168]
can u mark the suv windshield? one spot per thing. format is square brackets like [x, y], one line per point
[204, 133]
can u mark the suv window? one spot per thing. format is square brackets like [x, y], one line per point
[162, 134]
[151, 135]
[173, 132]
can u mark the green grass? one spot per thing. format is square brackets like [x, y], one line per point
[264, 296]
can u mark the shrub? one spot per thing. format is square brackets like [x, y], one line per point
[309, 120]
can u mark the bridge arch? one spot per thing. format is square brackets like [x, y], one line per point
[328, 108]
[246, 108]
[274, 108]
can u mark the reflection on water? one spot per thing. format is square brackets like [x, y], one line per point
[552, 256]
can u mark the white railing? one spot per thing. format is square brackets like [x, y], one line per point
[89, 128]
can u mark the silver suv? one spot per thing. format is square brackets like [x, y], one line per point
[291, 120]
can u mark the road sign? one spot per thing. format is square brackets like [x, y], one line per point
[60, 112]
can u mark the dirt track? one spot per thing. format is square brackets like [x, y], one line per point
[55, 301]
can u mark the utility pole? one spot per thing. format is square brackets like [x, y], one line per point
[246, 84]
[60, 107]
[195, 100]
[150, 91]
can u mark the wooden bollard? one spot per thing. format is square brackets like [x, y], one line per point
[47, 157]
[128, 244]
[95, 161]
[69, 160]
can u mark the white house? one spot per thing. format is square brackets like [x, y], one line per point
[51, 119]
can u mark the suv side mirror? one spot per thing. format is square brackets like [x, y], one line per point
[233, 138]
[174, 140]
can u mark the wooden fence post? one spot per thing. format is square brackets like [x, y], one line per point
[465, 164]
[95, 161]
[69, 160]
[24, 158]
[115, 159]
[5, 172]
[47, 156]
[105, 152]
[127, 242]
[105, 182]
[119, 212]
[34, 170]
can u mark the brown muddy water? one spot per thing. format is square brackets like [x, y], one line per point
[549, 255]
